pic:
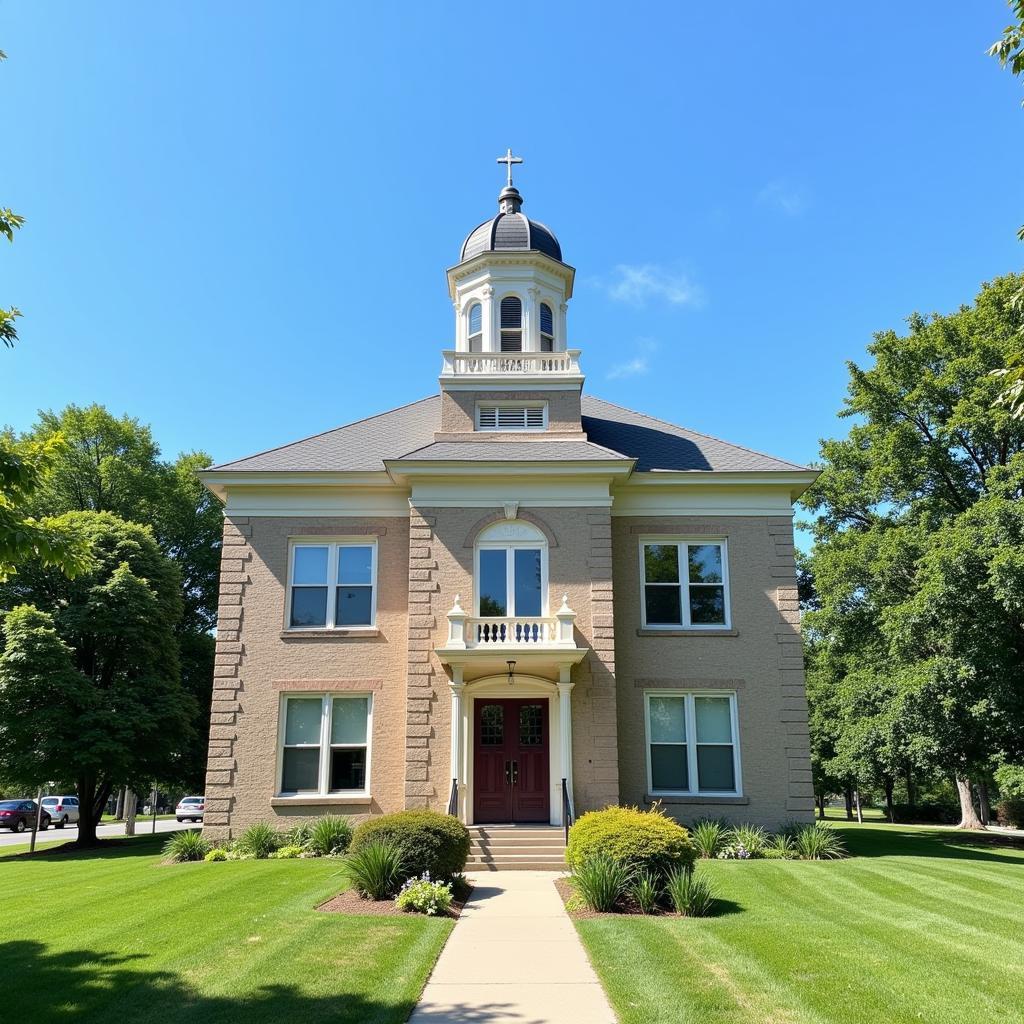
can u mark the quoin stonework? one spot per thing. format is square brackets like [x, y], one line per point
[510, 601]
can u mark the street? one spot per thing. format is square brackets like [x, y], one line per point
[143, 826]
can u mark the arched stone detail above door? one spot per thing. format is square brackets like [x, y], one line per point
[499, 516]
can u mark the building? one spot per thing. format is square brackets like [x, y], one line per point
[510, 600]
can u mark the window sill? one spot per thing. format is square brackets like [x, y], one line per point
[674, 631]
[353, 633]
[316, 800]
[682, 798]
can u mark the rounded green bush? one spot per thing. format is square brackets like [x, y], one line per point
[640, 840]
[429, 841]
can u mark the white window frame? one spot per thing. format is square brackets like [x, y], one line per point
[690, 718]
[543, 406]
[470, 334]
[684, 584]
[333, 544]
[553, 335]
[511, 546]
[325, 746]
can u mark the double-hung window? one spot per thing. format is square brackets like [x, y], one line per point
[685, 584]
[325, 744]
[692, 743]
[332, 585]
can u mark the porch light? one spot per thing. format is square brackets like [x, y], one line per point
[511, 671]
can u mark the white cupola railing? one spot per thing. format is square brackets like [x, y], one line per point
[526, 364]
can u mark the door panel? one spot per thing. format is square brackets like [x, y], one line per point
[510, 766]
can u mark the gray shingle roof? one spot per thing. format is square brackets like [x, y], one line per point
[408, 432]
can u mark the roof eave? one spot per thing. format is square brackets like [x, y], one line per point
[797, 480]
[218, 481]
[403, 470]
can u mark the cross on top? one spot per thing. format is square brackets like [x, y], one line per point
[508, 160]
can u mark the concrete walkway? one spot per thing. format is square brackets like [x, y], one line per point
[513, 958]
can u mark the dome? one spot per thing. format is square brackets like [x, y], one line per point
[510, 231]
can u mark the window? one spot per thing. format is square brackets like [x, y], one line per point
[325, 744]
[547, 328]
[332, 585]
[511, 324]
[685, 584]
[475, 320]
[511, 571]
[512, 416]
[692, 745]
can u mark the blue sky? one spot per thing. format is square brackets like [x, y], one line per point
[239, 215]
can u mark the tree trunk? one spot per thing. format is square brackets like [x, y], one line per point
[130, 802]
[889, 809]
[983, 804]
[860, 814]
[88, 812]
[119, 808]
[911, 795]
[968, 816]
[821, 804]
[848, 793]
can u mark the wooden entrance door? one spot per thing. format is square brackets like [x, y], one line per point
[510, 760]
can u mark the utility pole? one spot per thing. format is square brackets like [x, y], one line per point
[152, 807]
[39, 820]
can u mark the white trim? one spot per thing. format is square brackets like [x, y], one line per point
[333, 545]
[325, 746]
[690, 720]
[510, 546]
[681, 541]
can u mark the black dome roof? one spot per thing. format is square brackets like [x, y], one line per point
[510, 231]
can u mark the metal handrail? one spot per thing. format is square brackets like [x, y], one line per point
[453, 800]
[568, 817]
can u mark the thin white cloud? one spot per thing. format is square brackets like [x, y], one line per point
[633, 368]
[784, 197]
[638, 284]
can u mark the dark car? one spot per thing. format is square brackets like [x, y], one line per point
[18, 815]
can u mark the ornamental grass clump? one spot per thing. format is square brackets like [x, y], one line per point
[645, 892]
[818, 842]
[601, 882]
[780, 847]
[422, 896]
[186, 846]
[259, 840]
[427, 841]
[709, 837]
[750, 839]
[691, 893]
[329, 836]
[375, 869]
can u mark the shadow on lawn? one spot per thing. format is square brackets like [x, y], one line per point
[892, 841]
[83, 985]
[107, 849]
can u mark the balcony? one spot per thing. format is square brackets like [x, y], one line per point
[511, 633]
[477, 365]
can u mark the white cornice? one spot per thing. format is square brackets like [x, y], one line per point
[506, 258]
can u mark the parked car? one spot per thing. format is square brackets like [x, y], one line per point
[18, 815]
[190, 808]
[63, 810]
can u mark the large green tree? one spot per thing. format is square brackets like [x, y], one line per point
[90, 689]
[925, 645]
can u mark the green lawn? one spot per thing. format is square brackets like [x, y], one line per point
[921, 925]
[117, 936]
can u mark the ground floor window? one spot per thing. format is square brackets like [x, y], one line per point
[325, 744]
[692, 743]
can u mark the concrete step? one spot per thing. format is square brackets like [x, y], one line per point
[506, 849]
[517, 864]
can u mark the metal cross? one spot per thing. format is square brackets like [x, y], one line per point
[508, 160]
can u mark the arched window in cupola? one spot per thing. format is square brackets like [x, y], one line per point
[476, 327]
[547, 328]
[511, 324]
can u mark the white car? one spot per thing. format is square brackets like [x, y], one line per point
[63, 810]
[190, 808]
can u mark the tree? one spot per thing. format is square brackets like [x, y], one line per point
[919, 625]
[90, 690]
[9, 223]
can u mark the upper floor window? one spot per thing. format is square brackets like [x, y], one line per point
[332, 585]
[547, 328]
[512, 416]
[685, 584]
[511, 324]
[511, 571]
[325, 743]
[476, 327]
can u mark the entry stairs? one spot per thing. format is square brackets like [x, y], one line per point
[516, 848]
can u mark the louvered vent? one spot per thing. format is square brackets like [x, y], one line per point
[511, 417]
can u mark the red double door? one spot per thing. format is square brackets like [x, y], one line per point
[510, 760]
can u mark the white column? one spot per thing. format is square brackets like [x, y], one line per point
[489, 321]
[457, 686]
[562, 341]
[565, 686]
[461, 344]
[531, 321]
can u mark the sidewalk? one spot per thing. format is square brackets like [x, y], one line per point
[513, 958]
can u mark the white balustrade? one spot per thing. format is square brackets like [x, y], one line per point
[520, 631]
[470, 364]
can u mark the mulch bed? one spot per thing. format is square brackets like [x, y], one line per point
[350, 902]
[566, 891]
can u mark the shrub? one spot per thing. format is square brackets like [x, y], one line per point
[645, 890]
[1010, 811]
[188, 845]
[639, 840]
[286, 853]
[819, 842]
[329, 835]
[375, 869]
[216, 854]
[259, 839]
[708, 836]
[938, 812]
[299, 834]
[751, 838]
[601, 881]
[691, 893]
[423, 896]
[428, 842]
[780, 847]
